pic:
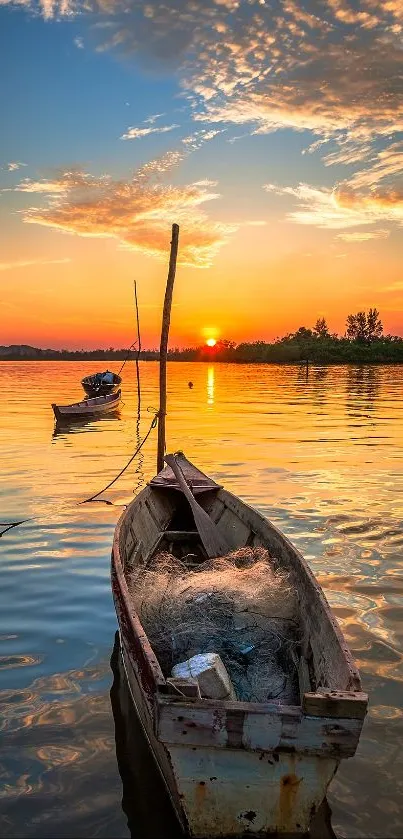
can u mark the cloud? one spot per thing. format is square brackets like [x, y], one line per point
[137, 212]
[197, 139]
[323, 66]
[28, 263]
[362, 236]
[79, 43]
[14, 165]
[136, 133]
[340, 207]
[153, 118]
[368, 196]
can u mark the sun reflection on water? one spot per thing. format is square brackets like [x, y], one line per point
[210, 385]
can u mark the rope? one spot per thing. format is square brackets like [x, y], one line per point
[127, 357]
[8, 525]
[139, 447]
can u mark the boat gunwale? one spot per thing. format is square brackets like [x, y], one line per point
[119, 581]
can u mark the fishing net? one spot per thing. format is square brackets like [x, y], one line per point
[240, 606]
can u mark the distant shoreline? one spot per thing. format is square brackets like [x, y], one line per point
[236, 362]
[300, 348]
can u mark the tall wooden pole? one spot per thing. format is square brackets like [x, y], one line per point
[138, 348]
[166, 318]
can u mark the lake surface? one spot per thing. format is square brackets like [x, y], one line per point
[320, 456]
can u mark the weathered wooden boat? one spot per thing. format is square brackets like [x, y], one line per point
[90, 408]
[99, 384]
[232, 767]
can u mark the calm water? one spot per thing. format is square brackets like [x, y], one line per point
[321, 457]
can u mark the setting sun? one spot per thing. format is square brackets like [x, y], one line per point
[211, 342]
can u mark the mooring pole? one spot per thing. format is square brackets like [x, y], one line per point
[166, 318]
[138, 348]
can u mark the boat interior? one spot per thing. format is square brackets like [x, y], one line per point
[160, 519]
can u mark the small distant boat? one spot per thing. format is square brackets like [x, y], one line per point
[94, 407]
[100, 384]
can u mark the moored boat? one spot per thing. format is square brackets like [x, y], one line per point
[99, 384]
[91, 408]
[235, 767]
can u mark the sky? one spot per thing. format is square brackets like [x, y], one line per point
[271, 131]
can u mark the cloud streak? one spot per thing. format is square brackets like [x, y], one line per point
[136, 133]
[29, 263]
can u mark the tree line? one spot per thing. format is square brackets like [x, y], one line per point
[362, 343]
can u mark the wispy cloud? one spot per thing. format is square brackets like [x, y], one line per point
[136, 133]
[79, 42]
[361, 236]
[14, 165]
[153, 118]
[29, 263]
[137, 212]
[370, 195]
[340, 207]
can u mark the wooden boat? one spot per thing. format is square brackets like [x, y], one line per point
[90, 408]
[95, 386]
[232, 767]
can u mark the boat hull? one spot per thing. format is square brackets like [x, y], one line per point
[227, 792]
[236, 767]
[90, 408]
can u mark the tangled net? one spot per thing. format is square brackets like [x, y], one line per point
[239, 606]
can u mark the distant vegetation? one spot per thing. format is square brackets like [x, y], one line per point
[362, 343]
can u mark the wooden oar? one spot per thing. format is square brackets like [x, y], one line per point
[212, 540]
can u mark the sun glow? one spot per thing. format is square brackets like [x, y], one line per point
[211, 342]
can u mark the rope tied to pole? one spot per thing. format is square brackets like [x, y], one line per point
[139, 447]
[9, 525]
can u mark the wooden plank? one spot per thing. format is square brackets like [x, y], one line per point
[233, 529]
[137, 556]
[160, 506]
[303, 677]
[144, 525]
[214, 507]
[226, 725]
[335, 704]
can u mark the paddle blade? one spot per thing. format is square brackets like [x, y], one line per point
[213, 542]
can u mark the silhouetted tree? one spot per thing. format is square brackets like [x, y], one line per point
[321, 328]
[374, 325]
[364, 328]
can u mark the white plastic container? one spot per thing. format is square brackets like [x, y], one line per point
[210, 672]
